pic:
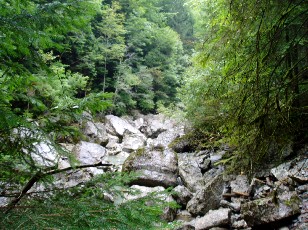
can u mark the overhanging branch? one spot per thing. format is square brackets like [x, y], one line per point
[39, 175]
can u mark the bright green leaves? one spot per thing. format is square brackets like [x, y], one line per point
[38, 93]
[59, 87]
[28, 26]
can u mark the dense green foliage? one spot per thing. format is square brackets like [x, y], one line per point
[57, 60]
[241, 67]
[38, 100]
[249, 82]
[130, 50]
[85, 207]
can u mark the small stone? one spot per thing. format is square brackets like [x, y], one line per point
[184, 215]
[234, 206]
[302, 188]
[240, 224]
[240, 185]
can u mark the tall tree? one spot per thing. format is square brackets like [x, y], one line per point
[40, 103]
[254, 75]
[38, 96]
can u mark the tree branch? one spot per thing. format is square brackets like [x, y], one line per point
[39, 175]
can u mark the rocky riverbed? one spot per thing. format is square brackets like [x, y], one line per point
[208, 198]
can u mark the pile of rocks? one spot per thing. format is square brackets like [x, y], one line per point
[208, 198]
[211, 199]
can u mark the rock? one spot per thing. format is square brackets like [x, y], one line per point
[71, 179]
[113, 147]
[216, 156]
[44, 154]
[96, 131]
[281, 172]
[210, 174]
[164, 139]
[214, 218]
[207, 198]
[142, 191]
[236, 207]
[262, 192]
[89, 153]
[190, 172]
[117, 160]
[41, 150]
[108, 197]
[4, 201]
[302, 226]
[240, 224]
[240, 185]
[187, 226]
[139, 123]
[63, 163]
[182, 195]
[132, 142]
[87, 116]
[265, 210]
[155, 168]
[296, 170]
[302, 188]
[67, 146]
[183, 215]
[204, 165]
[218, 228]
[117, 126]
[155, 124]
[181, 145]
[169, 213]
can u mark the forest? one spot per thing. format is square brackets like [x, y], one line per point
[235, 69]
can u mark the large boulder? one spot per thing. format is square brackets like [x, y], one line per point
[73, 178]
[154, 168]
[89, 153]
[114, 146]
[207, 198]
[153, 125]
[44, 154]
[295, 170]
[133, 141]
[117, 126]
[271, 209]
[165, 138]
[42, 151]
[117, 160]
[214, 218]
[96, 132]
[182, 195]
[190, 172]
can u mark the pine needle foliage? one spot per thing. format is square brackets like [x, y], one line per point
[84, 207]
[250, 80]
